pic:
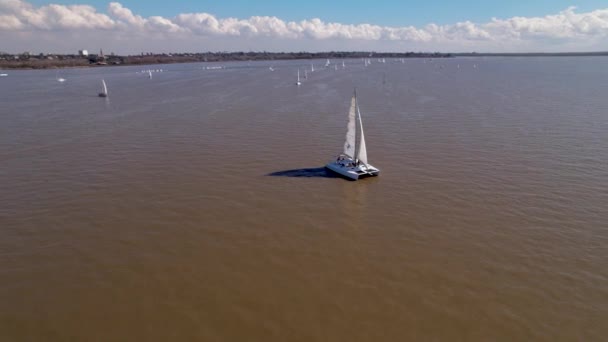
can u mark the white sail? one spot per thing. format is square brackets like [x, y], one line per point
[362, 153]
[312, 67]
[349, 144]
[298, 82]
[150, 74]
[105, 89]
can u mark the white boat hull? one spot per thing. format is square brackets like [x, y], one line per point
[354, 172]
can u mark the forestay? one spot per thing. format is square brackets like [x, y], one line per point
[362, 149]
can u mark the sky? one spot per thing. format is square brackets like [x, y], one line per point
[128, 26]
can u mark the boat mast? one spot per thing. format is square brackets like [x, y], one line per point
[355, 157]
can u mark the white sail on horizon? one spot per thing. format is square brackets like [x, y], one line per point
[105, 88]
[349, 144]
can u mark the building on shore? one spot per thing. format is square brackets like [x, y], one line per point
[83, 53]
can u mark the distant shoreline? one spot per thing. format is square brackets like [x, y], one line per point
[55, 61]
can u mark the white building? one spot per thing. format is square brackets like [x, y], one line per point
[83, 53]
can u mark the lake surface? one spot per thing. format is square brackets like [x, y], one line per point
[194, 205]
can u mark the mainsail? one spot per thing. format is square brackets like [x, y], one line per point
[349, 144]
[362, 157]
[105, 89]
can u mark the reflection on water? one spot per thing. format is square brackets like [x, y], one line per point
[194, 205]
[306, 172]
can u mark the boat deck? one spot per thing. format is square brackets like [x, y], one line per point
[348, 169]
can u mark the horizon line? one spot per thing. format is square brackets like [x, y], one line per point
[323, 52]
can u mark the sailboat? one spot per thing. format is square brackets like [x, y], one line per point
[150, 74]
[298, 81]
[352, 162]
[327, 63]
[59, 79]
[104, 89]
[343, 65]
[312, 67]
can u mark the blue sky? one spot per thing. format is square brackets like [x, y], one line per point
[379, 12]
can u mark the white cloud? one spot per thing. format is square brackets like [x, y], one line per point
[55, 17]
[10, 23]
[122, 13]
[568, 28]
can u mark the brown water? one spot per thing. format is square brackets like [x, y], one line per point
[195, 206]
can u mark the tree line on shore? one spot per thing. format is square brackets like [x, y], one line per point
[45, 61]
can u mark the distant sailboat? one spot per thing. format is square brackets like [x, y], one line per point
[327, 63]
[59, 79]
[343, 65]
[298, 81]
[150, 74]
[352, 162]
[312, 67]
[104, 89]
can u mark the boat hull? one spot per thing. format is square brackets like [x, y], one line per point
[353, 172]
